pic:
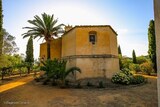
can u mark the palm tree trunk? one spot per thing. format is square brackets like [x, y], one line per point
[48, 50]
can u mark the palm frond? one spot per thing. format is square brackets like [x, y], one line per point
[72, 70]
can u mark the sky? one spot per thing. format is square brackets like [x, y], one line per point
[129, 18]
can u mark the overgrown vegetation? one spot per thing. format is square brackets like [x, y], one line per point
[143, 65]
[55, 70]
[125, 77]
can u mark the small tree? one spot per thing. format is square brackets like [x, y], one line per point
[120, 57]
[44, 27]
[29, 54]
[152, 44]
[119, 50]
[134, 57]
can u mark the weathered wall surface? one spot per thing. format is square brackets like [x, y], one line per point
[113, 43]
[101, 46]
[157, 27]
[69, 44]
[97, 67]
[43, 50]
[56, 47]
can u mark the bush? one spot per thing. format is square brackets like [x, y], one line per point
[121, 78]
[126, 62]
[135, 67]
[146, 67]
[137, 79]
[127, 72]
[142, 59]
[126, 78]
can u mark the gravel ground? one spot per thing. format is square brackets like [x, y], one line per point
[33, 94]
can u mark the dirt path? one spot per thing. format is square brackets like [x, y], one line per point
[32, 94]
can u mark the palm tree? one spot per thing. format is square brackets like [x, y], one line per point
[56, 69]
[63, 72]
[45, 27]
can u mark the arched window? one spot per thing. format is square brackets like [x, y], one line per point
[92, 36]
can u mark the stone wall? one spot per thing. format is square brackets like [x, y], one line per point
[94, 66]
[157, 27]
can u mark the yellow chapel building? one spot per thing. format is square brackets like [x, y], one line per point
[91, 48]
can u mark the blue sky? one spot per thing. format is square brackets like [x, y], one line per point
[129, 18]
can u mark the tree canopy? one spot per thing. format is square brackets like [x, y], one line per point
[9, 44]
[152, 44]
[45, 27]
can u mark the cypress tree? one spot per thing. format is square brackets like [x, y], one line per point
[29, 54]
[152, 44]
[1, 30]
[134, 57]
[119, 50]
[120, 57]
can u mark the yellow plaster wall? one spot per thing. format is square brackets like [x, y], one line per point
[113, 43]
[97, 67]
[43, 51]
[69, 43]
[102, 45]
[55, 49]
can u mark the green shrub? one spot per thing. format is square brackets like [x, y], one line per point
[142, 59]
[146, 67]
[56, 70]
[135, 67]
[121, 78]
[137, 79]
[125, 62]
[126, 71]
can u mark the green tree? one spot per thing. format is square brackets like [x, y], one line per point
[29, 54]
[9, 44]
[134, 57]
[152, 44]
[1, 22]
[120, 57]
[45, 27]
[119, 50]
